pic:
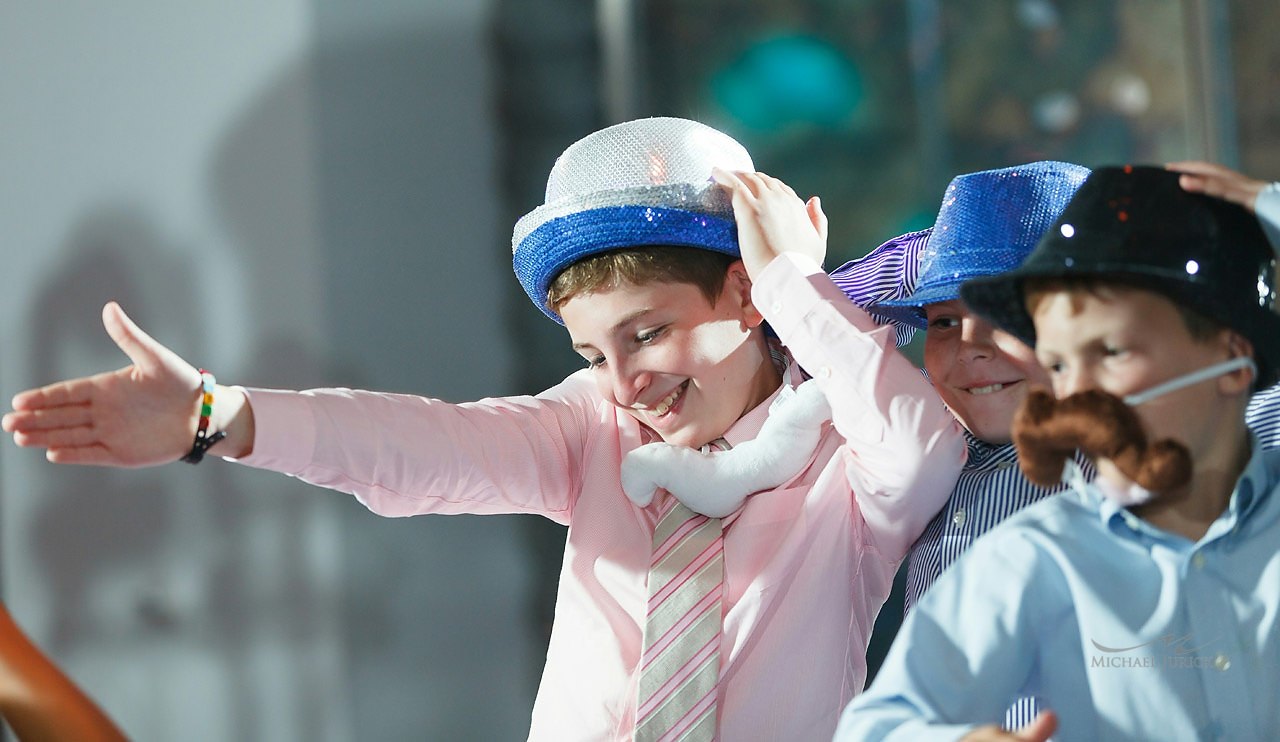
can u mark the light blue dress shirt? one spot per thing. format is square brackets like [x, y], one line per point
[1126, 631]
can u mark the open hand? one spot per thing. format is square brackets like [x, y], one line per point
[1218, 181]
[140, 415]
[772, 219]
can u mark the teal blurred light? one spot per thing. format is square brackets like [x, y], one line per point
[789, 79]
[914, 217]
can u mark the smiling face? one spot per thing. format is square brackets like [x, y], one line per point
[981, 373]
[679, 364]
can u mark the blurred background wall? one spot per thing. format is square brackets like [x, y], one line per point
[310, 192]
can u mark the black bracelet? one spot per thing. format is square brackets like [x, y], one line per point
[204, 440]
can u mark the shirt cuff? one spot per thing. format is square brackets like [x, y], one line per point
[1267, 207]
[284, 431]
[790, 286]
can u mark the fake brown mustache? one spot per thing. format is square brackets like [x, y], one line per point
[1047, 431]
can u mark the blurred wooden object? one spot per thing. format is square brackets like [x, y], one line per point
[39, 702]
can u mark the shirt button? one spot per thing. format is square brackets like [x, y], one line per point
[777, 307]
[1222, 662]
[958, 518]
[825, 372]
[1198, 560]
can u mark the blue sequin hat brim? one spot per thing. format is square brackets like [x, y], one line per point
[910, 311]
[563, 241]
[988, 223]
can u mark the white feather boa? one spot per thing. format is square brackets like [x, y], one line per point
[716, 484]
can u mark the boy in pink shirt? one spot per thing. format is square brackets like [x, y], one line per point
[734, 605]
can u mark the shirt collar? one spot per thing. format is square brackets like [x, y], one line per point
[1254, 485]
[982, 453]
[1252, 488]
[748, 426]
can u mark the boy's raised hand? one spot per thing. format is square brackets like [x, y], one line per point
[772, 219]
[1215, 180]
[141, 415]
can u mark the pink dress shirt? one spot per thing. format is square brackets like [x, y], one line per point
[807, 565]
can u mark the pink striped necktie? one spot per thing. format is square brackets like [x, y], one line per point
[680, 665]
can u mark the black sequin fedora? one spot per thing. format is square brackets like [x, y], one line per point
[1137, 224]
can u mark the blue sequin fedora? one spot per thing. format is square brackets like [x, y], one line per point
[642, 182]
[988, 223]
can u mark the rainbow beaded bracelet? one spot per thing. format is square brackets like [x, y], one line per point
[204, 441]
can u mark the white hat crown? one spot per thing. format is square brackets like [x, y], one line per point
[660, 161]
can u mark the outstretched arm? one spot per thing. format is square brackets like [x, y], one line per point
[141, 415]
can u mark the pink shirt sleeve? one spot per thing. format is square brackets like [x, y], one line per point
[405, 455]
[904, 449]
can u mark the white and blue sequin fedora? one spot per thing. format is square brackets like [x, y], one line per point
[642, 182]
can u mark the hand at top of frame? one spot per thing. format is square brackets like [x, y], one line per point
[1218, 181]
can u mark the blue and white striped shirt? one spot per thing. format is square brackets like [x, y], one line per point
[990, 488]
[887, 273]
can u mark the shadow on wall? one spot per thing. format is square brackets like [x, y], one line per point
[416, 271]
[137, 564]
[351, 193]
[97, 522]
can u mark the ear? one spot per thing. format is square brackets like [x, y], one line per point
[1242, 380]
[737, 288]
